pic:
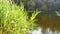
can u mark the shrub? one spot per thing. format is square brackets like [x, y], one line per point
[14, 19]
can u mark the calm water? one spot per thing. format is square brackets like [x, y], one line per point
[47, 24]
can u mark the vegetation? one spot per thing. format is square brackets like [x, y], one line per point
[14, 19]
[58, 14]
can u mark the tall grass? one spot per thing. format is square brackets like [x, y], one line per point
[14, 19]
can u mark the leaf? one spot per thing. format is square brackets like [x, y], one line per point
[58, 14]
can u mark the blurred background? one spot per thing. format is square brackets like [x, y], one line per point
[30, 16]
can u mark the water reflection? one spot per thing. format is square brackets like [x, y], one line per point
[39, 31]
[36, 31]
[47, 24]
[48, 21]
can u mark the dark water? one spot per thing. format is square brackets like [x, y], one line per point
[47, 24]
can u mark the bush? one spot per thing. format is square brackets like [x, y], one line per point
[14, 19]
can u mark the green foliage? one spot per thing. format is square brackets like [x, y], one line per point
[32, 18]
[57, 13]
[14, 19]
[34, 14]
